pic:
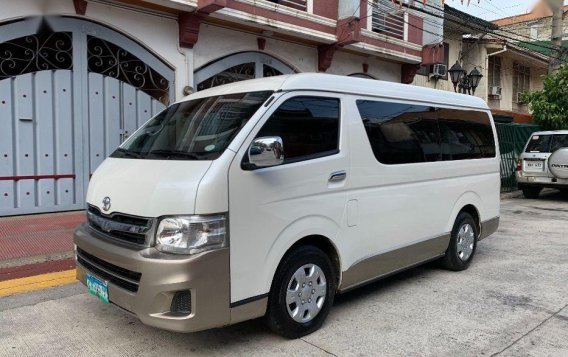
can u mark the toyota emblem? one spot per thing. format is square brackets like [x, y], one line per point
[106, 203]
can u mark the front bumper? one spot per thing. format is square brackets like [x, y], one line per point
[205, 275]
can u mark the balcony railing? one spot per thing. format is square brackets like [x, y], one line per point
[388, 19]
[295, 4]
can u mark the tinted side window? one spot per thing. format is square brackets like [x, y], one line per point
[308, 126]
[401, 133]
[466, 134]
[406, 133]
[558, 142]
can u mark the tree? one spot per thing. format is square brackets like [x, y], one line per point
[549, 106]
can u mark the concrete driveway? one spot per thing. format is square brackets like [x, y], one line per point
[513, 301]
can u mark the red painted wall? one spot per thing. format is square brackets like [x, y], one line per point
[415, 29]
[326, 8]
[363, 13]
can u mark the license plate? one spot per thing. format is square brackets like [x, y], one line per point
[98, 288]
[534, 165]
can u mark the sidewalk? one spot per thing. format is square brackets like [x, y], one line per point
[37, 244]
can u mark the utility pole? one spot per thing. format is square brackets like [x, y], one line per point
[557, 11]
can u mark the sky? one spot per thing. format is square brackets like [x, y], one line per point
[494, 9]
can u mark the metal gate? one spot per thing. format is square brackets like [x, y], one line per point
[70, 92]
[512, 140]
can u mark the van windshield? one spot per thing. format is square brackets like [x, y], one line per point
[547, 143]
[199, 129]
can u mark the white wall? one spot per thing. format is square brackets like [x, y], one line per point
[156, 33]
[536, 82]
[217, 42]
[346, 63]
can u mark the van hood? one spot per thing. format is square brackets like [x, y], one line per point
[147, 188]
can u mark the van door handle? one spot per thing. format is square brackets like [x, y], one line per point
[337, 176]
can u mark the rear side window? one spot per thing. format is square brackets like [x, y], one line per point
[547, 143]
[465, 134]
[405, 133]
[539, 143]
[558, 142]
[308, 126]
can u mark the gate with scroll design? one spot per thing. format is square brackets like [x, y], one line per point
[70, 92]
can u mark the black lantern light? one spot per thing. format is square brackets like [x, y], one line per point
[474, 78]
[456, 74]
[467, 83]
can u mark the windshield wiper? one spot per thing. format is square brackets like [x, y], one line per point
[174, 154]
[128, 153]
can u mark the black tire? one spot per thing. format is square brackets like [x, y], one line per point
[277, 316]
[531, 192]
[452, 259]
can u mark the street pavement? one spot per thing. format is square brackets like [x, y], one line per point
[512, 301]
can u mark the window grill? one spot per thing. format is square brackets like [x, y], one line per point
[34, 53]
[388, 19]
[110, 60]
[295, 4]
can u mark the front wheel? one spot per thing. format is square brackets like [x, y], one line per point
[302, 293]
[463, 242]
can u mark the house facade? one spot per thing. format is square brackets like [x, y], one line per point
[78, 77]
[535, 25]
[508, 69]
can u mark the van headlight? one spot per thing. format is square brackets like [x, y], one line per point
[191, 234]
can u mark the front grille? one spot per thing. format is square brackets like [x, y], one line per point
[124, 278]
[125, 228]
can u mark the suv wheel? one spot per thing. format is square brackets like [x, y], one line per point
[531, 192]
[302, 293]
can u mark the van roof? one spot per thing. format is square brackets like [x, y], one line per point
[344, 84]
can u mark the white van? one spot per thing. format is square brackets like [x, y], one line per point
[267, 197]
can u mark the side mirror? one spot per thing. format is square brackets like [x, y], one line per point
[267, 151]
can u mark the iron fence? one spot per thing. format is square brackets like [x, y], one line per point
[512, 140]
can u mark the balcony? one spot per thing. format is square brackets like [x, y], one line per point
[295, 4]
[388, 19]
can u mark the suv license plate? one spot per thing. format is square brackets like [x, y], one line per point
[535, 166]
[98, 288]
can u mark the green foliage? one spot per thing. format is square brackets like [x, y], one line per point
[550, 105]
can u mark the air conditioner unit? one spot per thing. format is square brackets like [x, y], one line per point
[519, 97]
[495, 92]
[438, 70]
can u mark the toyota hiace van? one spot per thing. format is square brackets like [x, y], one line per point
[267, 197]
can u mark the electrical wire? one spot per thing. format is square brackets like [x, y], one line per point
[484, 30]
[496, 34]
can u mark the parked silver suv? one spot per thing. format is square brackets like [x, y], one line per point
[544, 163]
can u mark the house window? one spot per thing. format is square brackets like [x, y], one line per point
[534, 32]
[295, 4]
[521, 80]
[494, 75]
[426, 70]
[388, 18]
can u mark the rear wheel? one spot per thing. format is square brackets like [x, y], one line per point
[302, 293]
[531, 192]
[463, 242]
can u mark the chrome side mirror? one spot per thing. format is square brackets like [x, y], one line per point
[266, 151]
